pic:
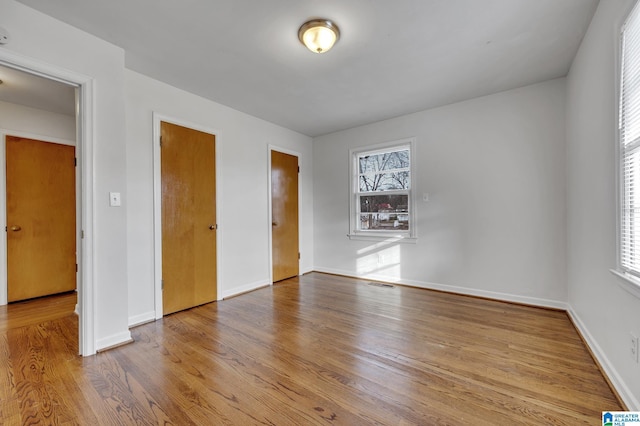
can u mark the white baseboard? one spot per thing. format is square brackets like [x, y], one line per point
[616, 380]
[507, 297]
[243, 289]
[113, 341]
[142, 318]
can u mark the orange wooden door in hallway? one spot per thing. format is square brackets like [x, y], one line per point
[41, 218]
[284, 215]
[188, 217]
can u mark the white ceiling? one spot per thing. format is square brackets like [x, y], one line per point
[393, 58]
[21, 88]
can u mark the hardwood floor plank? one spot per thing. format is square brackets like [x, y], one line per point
[69, 376]
[317, 350]
[306, 364]
[9, 402]
[36, 311]
[236, 361]
[196, 390]
[40, 401]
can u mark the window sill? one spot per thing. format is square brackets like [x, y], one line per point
[628, 282]
[405, 239]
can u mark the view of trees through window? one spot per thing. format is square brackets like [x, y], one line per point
[383, 189]
[384, 172]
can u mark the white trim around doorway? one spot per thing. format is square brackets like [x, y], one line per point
[85, 196]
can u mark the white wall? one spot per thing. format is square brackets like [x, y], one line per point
[36, 122]
[243, 215]
[39, 38]
[494, 224]
[605, 312]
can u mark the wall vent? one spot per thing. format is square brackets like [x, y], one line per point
[380, 284]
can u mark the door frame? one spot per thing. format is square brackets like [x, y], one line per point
[157, 205]
[270, 210]
[85, 219]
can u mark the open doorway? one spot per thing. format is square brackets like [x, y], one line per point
[39, 101]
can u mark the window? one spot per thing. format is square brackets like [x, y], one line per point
[382, 197]
[629, 146]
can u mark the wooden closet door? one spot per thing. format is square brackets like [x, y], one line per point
[188, 217]
[284, 214]
[41, 218]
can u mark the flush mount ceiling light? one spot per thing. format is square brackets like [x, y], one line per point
[319, 35]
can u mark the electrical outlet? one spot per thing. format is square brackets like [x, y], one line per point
[633, 346]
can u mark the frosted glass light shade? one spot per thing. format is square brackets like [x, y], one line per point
[319, 35]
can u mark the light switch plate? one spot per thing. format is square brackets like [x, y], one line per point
[4, 36]
[114, 199]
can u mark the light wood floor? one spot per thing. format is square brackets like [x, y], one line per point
[36, 311]
[320, 350]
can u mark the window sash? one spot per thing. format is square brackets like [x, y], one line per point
[630, 220]
[387, 192]
[386, 220]
[629, 145]
[378, 170]
[401, 218]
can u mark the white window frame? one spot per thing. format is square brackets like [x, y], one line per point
[355, 233]
[628, 265]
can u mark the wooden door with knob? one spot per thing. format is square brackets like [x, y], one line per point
[284, 216]
[41, 218]
[188, 176]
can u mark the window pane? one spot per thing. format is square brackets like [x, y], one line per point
[385, 181]
[630, 93]
[384, 222]
[384, 212]
[629, 160]
[389, 181]
[396, 180]
[374, 163]
[630, 232]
